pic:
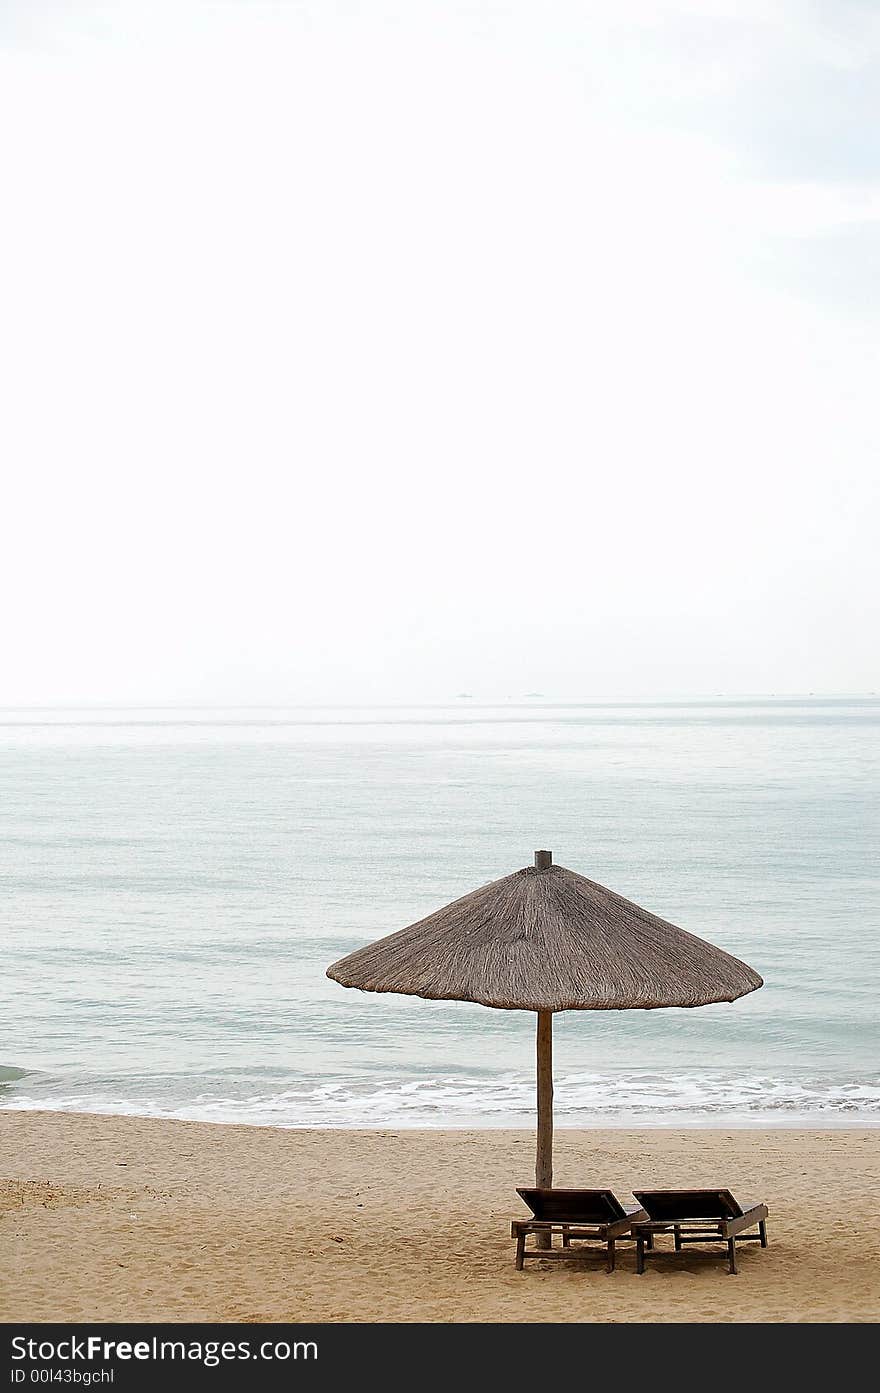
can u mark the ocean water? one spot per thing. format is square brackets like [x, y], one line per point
[175, 882]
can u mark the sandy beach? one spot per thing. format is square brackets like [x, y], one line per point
[118, 1218]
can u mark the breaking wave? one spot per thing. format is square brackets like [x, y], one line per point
[637, 1098]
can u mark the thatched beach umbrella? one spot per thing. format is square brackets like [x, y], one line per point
[545, 939]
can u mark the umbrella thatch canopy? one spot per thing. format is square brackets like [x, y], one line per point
[546, 939]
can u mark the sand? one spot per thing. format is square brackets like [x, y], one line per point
[110, 1218]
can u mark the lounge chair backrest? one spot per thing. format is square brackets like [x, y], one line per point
[577, 1206]
[688, 1204]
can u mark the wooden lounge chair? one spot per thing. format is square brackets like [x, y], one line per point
[576, 1214]
[697, 1216]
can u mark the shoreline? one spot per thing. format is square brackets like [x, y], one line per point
[608, 1098]
[804, 1123]
[109, 1217]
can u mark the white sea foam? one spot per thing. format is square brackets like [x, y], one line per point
[583, 1100]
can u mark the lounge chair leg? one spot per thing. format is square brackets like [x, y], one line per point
[677, 1234]
[649, 1242]
[609, 1264]
[731, 1252]
[640, 1255]
[520, 1251]
[762, 1229]
[566, 1238]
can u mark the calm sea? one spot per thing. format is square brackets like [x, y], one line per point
[174, 883]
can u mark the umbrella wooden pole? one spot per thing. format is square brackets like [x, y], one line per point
[544, 1154]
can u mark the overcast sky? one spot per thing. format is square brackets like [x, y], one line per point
[372, 350]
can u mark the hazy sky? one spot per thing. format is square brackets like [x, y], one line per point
[380, 350]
